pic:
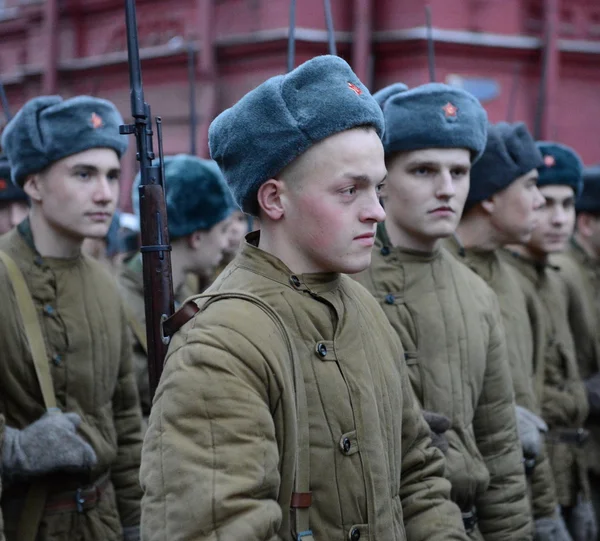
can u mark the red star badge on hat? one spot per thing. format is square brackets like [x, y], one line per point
[3, 184]
[355, 89]
[549, 161]
[450, 110]
[96, 121]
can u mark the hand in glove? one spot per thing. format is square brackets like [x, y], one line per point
[582, 521]
[48, 445]
[438, 425]
[529, 426]
[131, 533]
[551, 529]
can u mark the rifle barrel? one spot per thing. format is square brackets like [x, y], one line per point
[138, 108]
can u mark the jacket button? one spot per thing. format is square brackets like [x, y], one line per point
[384, 251]
[48, 309]
[346, 445]
[390, 299]
[295, 281]
[354, 534]
[57, 359]
[322, 350]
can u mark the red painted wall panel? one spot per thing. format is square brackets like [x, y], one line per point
[250, 45]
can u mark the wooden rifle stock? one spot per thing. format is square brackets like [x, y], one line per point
[156, 250]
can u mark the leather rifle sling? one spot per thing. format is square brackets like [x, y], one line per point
[35, 501]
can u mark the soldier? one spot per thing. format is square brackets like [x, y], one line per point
[580, 268]
[14, 206]
[447, 318]
[285, 410]
[72, 472]
[199, 205]
[500, 210]
[564, 401]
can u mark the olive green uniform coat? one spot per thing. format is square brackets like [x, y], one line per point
[520, 345]
[581, 274]
[131, 286]
[582, 278]
[84, 328]
[449, 323]
[219, 454]
[564, 400]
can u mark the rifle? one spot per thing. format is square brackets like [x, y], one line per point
[155, 248]
[430, 45]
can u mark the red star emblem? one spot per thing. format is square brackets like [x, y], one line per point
[96, 121]
[549, 161]
[3, 184]
[450, 110]
[355, 89]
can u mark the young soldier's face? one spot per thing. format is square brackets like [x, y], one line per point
[513, 210]
[425, 193]
[588, 228]
[12, 213]
[331, 206]
[556, 220]
[238, 227]
[211, 247]
[77, 195]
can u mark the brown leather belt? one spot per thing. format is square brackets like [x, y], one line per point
[80, 500]
[573, 436]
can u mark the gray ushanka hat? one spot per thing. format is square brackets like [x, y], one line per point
[282, 118]
[48, 128]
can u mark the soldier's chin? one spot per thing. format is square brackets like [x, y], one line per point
[98, 231]
[355, 265]
[523, 238]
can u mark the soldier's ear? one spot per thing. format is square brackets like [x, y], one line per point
[489, 205]
[194, 240]
[32, 187]
[585, 224]
[271, 198]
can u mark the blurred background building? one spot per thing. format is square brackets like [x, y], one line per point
[531, 60]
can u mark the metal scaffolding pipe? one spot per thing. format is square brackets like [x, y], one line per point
[361, 41]
[550, 105]
[207, 68]
[49, 84]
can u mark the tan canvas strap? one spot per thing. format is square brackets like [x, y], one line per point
[301, 497]
[35, 501]
[137, 328]
[33, 330]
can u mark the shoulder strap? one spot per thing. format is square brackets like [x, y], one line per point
[302, 496]
[33, 331]
[35, 500]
